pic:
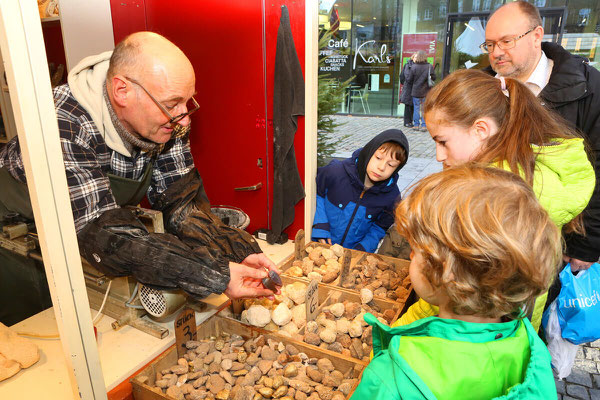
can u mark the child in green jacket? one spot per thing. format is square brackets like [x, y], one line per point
[483, 249]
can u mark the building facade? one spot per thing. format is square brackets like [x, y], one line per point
[372, 39]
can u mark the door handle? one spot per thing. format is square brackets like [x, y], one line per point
[249, 188]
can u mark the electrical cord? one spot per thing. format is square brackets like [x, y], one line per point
[99, 314]
[128, 302]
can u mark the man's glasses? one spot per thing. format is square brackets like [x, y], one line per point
[504, 44]
[192, 105]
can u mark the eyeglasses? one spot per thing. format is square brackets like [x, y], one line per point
[192, 105]
[504, 44]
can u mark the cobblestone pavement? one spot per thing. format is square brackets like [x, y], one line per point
[357, 131]
[584, 381]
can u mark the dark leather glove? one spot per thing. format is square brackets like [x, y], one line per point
[118, 244]
[186, 213]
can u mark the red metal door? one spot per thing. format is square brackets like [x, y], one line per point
[231, 139]
[223, 40]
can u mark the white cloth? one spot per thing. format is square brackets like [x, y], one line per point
[86, 81]
[540, 76]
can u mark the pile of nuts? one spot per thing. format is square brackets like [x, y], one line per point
[380, 277]
[341, 327]
[321, 264]
[286, 314]
[254, 369]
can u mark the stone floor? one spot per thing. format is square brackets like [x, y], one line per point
[584, 381]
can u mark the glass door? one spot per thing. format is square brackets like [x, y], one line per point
[466, 31]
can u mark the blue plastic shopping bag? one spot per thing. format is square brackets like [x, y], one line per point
[579, 304]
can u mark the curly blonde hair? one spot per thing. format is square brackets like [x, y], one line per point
[484, 237]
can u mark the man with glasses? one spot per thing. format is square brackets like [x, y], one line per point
[124, 120]
[563, 82]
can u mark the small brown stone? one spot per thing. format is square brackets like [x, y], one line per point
[250, 346]
[300, 395]
[175, 392]
[200, 381]
[240, 372]
[314, 374]
[219, 344]
[242, 356]
[215, 384]
[227, 376]
[264, 365]
[312, 338]
[268, 354]
[290, 371]
[252, 359]
[345, 388]
[180, 369]
[198, 394]
[280, 392]
[214, 367]
[325, 365]
[292, 351]
[260, 341]
[283, 358]
[277, 381]
[222, 395]
[266, 392]
[226, 364]
[356, 348]
[335, 346]
[344, 339]
[352, 310]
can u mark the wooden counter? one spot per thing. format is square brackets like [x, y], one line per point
[122, 352]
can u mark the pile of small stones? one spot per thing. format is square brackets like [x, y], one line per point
[341, 327]
[255, 369]
[321, 264]
[379, 277]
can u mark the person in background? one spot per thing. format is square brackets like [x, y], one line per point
[356, 196]
[564, 83]
[472, 116]
[124, 119]
[483, 250]
[405, 95]
[418, 77]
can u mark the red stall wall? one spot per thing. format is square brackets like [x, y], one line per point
[231, 133]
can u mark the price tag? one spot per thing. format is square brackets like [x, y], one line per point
[312, 300]
[185, 329]
[299, 245]
[345, 266]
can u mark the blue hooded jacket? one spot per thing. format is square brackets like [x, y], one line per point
[347, 213]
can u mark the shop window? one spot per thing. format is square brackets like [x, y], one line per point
[443, 10]
[427, 14]
[475, 5]
[487, 4]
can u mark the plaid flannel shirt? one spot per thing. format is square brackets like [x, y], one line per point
[88, 160]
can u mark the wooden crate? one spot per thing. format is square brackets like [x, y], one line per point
[216, 326]
[397, 264]
[357, 258]
[287, 263]
[337, 295]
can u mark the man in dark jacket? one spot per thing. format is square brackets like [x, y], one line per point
[563, 82]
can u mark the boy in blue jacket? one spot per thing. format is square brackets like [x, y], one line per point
[356, 196]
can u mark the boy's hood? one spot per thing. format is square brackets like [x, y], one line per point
[86, 81]
[365, 154]
[436, 336]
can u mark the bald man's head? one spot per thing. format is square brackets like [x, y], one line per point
[144, 52]
[150, 82]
